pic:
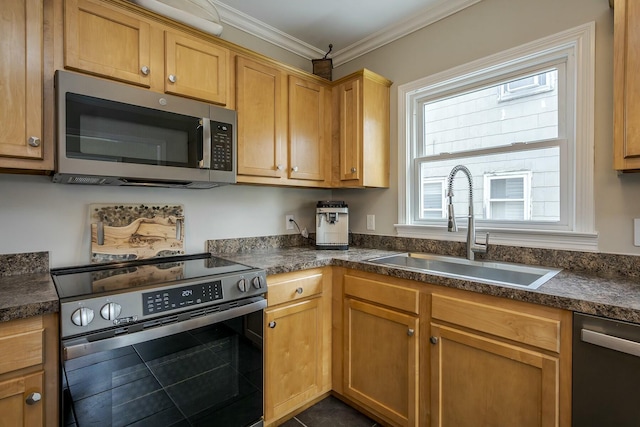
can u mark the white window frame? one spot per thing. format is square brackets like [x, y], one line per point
[526, 190]
[435, 180]
[577, 47]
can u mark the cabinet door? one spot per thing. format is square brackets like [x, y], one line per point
[21, 67]
[293, 356]
[106, 42]
[308, 134]
[478, 381]
[16, 407]
[627, 85]
[195, 68]
[380, 360]
[350, 118]
[261, 107]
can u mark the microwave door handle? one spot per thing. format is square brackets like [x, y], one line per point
[205, 144]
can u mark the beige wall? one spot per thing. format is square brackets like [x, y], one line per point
[488, 27]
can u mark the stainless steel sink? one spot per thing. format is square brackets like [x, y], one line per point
[497, 273]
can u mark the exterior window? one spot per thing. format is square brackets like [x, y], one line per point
[433, 198]
[508, 196]
[531, 85]
[529, 149]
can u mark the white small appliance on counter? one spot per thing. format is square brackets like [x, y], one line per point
[332, 225]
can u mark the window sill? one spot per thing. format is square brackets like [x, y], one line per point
[562, 240]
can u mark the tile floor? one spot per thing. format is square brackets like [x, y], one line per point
[330, 412]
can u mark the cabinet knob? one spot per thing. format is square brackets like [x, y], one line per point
[280, 167]
[295, 169]
[34, 141]
[434, 340]
[33, 398]
[353, 170]
[173, 78]
[272, 324]
[299, 290]
[144, 70]
[410, 332]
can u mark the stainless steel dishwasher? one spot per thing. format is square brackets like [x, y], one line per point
[606, 372]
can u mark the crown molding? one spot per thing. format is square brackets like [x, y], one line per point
[259, 29]
[426, 17]
[246, 23]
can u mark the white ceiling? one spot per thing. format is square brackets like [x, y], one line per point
[354, 27]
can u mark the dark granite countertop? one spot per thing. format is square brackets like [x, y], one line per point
[26, 287]
[26, 295]
[616, 297]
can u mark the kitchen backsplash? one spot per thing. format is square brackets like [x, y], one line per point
[592, 262]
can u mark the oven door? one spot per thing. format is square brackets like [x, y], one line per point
[193, 369]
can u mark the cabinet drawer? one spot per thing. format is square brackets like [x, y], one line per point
[382, 293]
[502, 322]
[293, 286]
[21, 345]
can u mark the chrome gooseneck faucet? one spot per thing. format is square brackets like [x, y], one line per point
[472, 245]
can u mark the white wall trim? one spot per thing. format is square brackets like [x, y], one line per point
[435, 13]
[580, 41]
[441, 9]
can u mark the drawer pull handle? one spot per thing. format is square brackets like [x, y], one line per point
[144, 70]
[272, 324]
[173, 78]
[33, 398]
[299, 290]
[410, 332]
[433, 340]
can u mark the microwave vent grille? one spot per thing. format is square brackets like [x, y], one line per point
[94, 180]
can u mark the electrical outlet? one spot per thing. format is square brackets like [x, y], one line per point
[371, 222]
[289, 219]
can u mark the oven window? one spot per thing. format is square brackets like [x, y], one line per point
[99, 129]
[210, 376]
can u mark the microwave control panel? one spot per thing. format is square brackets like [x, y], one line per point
[221, 146]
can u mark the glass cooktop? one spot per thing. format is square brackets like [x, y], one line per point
[97, 279]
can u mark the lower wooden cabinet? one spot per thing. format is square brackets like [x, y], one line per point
[29, 372]
[381, 341]
[297, 341]
[498, 363]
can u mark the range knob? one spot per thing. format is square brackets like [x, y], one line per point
[257, 282]
[242, 285]
[82, 316]
[110, 311]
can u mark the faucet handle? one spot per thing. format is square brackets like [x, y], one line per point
[482, 248]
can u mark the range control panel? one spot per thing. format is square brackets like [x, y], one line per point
[186, 296]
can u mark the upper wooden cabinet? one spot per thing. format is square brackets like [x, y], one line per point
[626, 86]
[119, 44]
[361, 130]
[22, 144]
[284, 126]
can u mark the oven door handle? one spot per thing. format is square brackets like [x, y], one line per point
[77, 347]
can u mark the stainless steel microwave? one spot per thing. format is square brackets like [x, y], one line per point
[110, 133]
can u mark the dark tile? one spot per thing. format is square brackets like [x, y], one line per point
[331, 412]
[183, 365]
[160, 347]
[241, 412]
[292, 423]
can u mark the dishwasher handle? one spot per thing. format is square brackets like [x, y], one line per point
[611, 342]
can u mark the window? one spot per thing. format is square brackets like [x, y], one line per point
[433, 198]
[522, 122]
[508, 196]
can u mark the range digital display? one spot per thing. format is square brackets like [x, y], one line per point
[174, 298]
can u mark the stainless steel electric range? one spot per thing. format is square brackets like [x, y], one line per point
[165, 342]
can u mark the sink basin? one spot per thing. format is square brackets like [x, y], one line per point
[495, 273]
